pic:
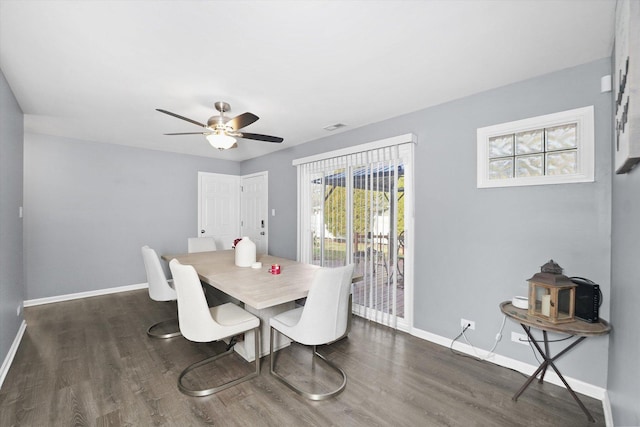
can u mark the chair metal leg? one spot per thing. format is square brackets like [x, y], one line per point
[206, 392]
[153, 334]
[311, 396]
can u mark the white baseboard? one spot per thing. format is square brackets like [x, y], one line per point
[69, 297]
[606, 408]
[6, 364]
[507, 362]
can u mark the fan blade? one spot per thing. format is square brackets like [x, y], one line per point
[259, 137]
[181, 117]
[244, 119]
[187, 133]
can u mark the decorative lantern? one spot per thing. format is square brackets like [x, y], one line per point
[552, 294]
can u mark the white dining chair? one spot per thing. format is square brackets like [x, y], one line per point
[322, 320]
[201, 244]
[159, 290]
[199, 323]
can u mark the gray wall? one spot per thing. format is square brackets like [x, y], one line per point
[476, 247]
[11, 264]
[624, 348]
[89, 207]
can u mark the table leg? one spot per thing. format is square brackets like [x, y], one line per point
[543, 366]
[546, 351]
[246, 349]
[548, 361]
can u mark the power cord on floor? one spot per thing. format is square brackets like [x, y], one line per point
[477, 356]
[491, 352]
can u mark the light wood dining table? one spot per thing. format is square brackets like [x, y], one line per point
[262, 293]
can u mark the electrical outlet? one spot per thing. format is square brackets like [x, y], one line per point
[519, 338]
[465, 322]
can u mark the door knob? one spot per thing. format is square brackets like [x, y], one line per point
[201, 231]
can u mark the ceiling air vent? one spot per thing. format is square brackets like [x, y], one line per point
[333, 127]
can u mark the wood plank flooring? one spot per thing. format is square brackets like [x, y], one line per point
[89, 362]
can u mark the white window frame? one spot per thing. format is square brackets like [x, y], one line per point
[584, 120]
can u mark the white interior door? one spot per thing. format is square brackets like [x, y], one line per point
[254, 210]
[219, 208]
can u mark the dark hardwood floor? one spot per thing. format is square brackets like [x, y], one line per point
[89, 362]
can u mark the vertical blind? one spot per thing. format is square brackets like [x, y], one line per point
[351, 211]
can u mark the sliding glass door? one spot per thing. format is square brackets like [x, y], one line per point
[353, 210]
[378, 227]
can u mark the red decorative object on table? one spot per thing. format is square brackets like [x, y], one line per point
[275, 269]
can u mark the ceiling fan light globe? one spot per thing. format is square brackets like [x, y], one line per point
[221, 141]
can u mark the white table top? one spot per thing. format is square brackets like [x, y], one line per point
[256, 288]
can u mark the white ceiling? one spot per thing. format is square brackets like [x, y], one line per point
[96, 70]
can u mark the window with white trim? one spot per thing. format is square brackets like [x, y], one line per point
[556, 148]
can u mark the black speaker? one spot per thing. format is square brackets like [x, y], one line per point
[588, 299]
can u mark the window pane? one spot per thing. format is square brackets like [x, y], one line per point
[501, 146]
[501, 168]
[315, 219]
[562, 163]
[335, 218]
[562, 137]
[529, 142]
[529, 166]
